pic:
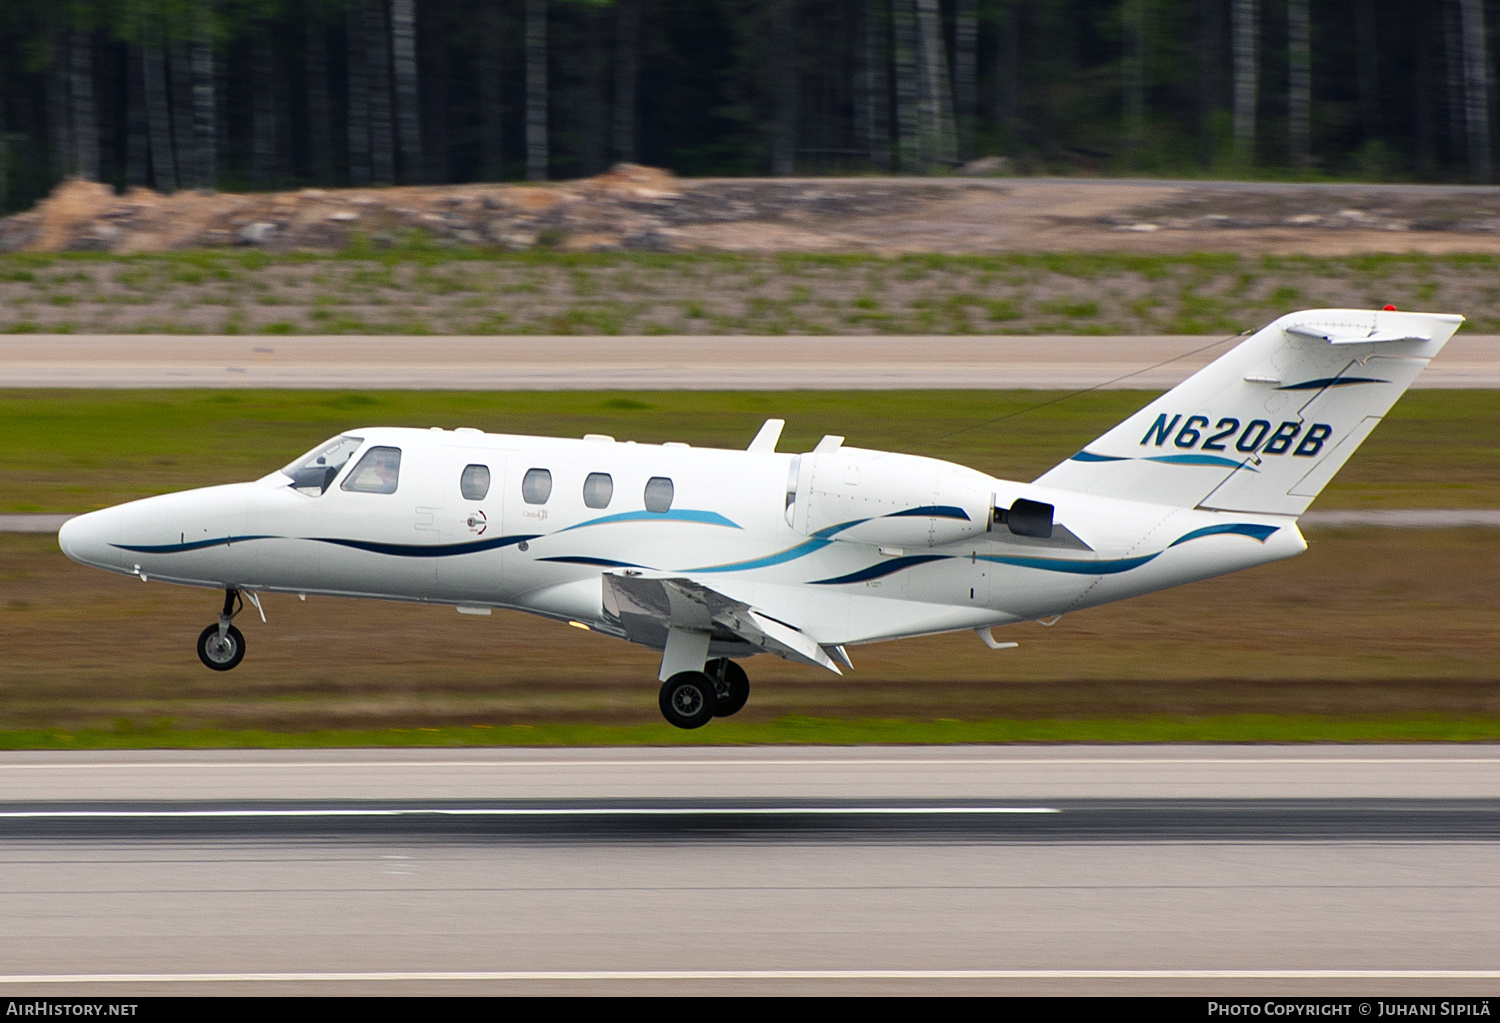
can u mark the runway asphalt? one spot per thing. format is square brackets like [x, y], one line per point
[572, 363]
[1164, 869]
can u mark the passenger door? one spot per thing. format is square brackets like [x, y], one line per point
[467, 513]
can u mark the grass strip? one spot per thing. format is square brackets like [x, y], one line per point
[791, 731]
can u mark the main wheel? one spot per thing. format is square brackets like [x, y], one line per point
[688, 699]
[221, 652]
[731, 685]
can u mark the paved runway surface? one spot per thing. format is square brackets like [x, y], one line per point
[1357, 870]
[649, 363]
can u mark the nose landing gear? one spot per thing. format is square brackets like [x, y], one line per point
[221, 646]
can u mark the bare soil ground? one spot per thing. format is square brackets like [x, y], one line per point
[1367, 622]
[632, 207]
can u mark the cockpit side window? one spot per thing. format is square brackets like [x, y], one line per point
[314, 472]
[378, 472]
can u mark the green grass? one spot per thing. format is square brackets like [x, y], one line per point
[68, 450]
[465, 291]
[1244, 728]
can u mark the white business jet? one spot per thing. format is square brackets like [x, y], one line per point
[711, 555]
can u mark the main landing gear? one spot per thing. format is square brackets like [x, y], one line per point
[690, 699]
[221, 646]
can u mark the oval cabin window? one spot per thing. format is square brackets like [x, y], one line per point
[536, 486]
[659, 494]
[598, 489]
[475, 482]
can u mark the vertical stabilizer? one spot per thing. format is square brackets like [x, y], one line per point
[1264, 428]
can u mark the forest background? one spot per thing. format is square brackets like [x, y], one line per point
[268, 94]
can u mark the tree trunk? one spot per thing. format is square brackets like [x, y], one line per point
[436, 54]
[874, 91]
[937, 99]
[1299, 84]
[784, 68]
[158, 116]
[263, 123]
[1134, 17]
[359, 96]
[180, 94]
[137, 144]
[408, 120]
[1246, 25]
[627, 72]
[908, 87]
[537, 147]
[965, 78]
[491, 116]
[1453, 64]
[1367, 70]
[1425, 95]
[1007, 68]
[593, 150]
[1210, 76]
[1476, 90]
[319, 109]
[59, 116]
[85, 112]
[205, 114]
[382, 142]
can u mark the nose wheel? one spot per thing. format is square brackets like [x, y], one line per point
[221, 646]
[221, 651]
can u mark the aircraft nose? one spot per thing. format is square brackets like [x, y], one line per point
[85, 538]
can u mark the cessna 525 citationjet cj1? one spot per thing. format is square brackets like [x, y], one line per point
[711, 555]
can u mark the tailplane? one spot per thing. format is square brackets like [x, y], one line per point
[1264, 428]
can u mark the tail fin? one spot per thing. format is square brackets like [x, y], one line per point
[1265, 427]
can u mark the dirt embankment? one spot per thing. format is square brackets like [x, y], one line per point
[633, 207]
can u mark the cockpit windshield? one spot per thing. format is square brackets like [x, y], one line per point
[315, 472]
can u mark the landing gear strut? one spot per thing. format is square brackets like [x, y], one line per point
[731, 685]
[221, 646]
[690, 699]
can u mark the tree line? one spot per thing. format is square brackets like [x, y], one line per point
[275, 93]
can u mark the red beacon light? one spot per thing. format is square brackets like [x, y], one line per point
[1389, 309]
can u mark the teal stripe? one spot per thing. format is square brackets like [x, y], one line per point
[802, 550]
[1072, 567]
[706, 518]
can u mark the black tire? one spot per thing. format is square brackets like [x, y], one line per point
[221, 656]
[731, 685]
[688, 699]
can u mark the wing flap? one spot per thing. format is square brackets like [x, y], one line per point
[646, 605]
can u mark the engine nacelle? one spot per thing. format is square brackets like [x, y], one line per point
[887, 499]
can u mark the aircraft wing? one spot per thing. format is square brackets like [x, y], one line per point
[647, 604]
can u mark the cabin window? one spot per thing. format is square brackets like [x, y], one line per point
[314, 472]
[475, 482]
[598, 489]
[659, 494]
[536, 486]
[377, 472]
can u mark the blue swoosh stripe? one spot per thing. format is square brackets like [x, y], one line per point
[1089, 456]
[802, 550]
[1072, 567]
[426, 550]
[193, 545]
[600, 562]
[881, 570]
[707, 518]
[1250, 529]
[936, 511]
[1215, 460]
[1322, 382]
